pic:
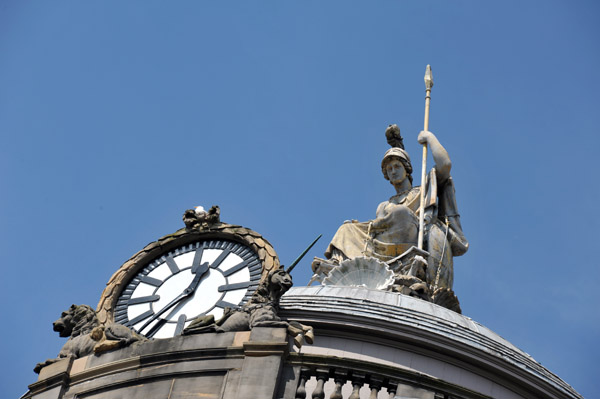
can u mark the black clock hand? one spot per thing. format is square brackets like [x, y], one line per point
[158, 325]
[162, 321]
[202, 269]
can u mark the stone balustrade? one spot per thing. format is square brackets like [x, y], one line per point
[341, 378]
[321, 377]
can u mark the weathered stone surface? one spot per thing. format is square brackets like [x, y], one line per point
[265, 334]
[61, 366]
[405, 391]
[225, 365]
[52, 393]
[260, 376]
[80, 323]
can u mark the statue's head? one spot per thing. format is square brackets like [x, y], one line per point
[398, 154]
[278, 281]
[281, 279]
[75, 319]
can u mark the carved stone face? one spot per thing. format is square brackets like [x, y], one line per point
[395, 171]
[282, 279]
[64, 325]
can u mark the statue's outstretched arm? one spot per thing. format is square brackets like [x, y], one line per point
[439, 153]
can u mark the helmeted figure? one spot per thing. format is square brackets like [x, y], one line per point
[395, 229]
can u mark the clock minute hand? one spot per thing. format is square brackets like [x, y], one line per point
[202, 269]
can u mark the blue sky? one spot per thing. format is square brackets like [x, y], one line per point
[115, 117]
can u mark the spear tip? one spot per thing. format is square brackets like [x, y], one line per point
[428, 78]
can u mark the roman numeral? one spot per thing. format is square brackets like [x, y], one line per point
[234, 286]
[172, 265]
[143, 299]
[197, 259]
[180, 324]
[235, 268]
[225, 304]
[151, 280]
[220, 259]
[141, 317]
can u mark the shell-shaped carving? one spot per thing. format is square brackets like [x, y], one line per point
[361, 272]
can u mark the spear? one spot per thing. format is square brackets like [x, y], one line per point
[299, 258]
[428, 86]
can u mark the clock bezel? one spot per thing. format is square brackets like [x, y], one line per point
[120, 279]
[248, 260]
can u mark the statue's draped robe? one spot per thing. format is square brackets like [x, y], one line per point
[443, 236]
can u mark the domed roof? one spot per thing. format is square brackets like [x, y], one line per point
[398, 322]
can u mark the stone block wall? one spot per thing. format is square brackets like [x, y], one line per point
[228, 365]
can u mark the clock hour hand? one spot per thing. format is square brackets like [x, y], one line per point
[200, 271]
[158, 325]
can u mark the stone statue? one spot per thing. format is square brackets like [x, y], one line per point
[200, 219]
[86, 335]
[392, 236]
[260, 311]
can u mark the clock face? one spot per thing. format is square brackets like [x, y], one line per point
[197, 279]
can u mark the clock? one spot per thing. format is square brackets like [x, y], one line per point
[200, 278]
[198, 270]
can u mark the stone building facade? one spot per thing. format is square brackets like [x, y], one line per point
[368, 344]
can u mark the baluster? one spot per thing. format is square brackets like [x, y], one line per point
[301, 391]
[340, 378]
[337, 392]
[358, 381]
[392, 389]
[355, 390]
[375, 385]
[322, 376]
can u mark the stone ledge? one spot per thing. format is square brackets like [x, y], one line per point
[265, 348]
[55, 369]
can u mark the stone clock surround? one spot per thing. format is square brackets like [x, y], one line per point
[164, 245]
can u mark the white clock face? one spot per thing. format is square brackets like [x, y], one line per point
[198, 279]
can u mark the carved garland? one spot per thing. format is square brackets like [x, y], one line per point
[163, 245]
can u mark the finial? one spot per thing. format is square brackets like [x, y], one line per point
[428, 78]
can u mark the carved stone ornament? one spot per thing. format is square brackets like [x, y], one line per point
[261, 311]
[86, 335]
[202, 231]
[363, 271]
[200, 219]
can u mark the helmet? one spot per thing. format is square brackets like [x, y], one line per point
[396, 152]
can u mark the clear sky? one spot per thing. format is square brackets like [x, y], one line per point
[117, 116]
